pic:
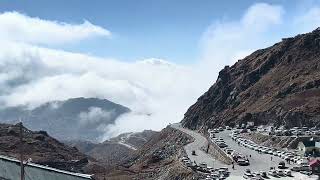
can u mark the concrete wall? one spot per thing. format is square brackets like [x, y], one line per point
[218, 153]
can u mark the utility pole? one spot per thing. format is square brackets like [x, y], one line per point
[21, 151]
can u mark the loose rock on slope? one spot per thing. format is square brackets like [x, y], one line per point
[278, 85]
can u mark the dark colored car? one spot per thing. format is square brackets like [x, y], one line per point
[282, 165]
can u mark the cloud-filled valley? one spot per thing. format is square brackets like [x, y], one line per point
[157, 91]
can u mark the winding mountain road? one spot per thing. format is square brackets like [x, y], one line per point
[199, 142]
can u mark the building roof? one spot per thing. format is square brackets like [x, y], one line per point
[13, 165]
[308, 143]
[314, 163]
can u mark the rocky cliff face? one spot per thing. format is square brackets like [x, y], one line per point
[279, 84]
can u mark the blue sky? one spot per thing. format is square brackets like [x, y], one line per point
[141, 29]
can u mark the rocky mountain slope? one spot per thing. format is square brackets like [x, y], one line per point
[77, 118]
[156, 159]
[116, 150]
[279, 84]
[42, 149]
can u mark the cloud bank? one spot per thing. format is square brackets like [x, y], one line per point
[95, 117]
[22, 28]
[157, 91]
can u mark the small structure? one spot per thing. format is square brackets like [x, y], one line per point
[315, 166]
[308, 147]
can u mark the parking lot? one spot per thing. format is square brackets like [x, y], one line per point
[207, 165]
[259, 159]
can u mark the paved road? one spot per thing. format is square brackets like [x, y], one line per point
[199, 141]
[258, 162]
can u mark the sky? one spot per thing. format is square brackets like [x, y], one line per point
[141, 29]
[156, 57]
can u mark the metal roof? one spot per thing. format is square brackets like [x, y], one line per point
[10, 169]
[308, 143]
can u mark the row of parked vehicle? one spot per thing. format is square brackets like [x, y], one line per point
[218, 173]
[301, 163]
[295, 131]
[287, 156]
[211, 173]
[237, 157]
[265, 175]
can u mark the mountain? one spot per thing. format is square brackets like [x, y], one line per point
[77, 118]
[158, 158]
[116, 150]
[41, 148]
[277, 85]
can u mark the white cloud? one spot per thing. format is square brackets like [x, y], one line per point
[95, 117]
[23, 28]
[152, 86]
[158, 92]
[262, 15]
[225, 40]
[308, 20]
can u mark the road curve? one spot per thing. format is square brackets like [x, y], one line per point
[199, 142]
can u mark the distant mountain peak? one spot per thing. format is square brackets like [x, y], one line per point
[75, 118]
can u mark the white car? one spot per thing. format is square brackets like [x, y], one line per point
[203, 165]
[242, 162]
[270, 152]
[280, 172]
[247, 175]
[287, 173]
[263, 150]
[273, 173]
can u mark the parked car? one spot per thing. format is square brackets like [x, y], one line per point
[273, 173]
[242, 162]
[280, 172]
[287, 172]
[282, 165]
[224, 168]
[222, 145]
[308, 173]
[203, 165]
[300, 168]
[243, 131]
[223, 172]
[263, 174]
[247, 175]
[296, 168]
